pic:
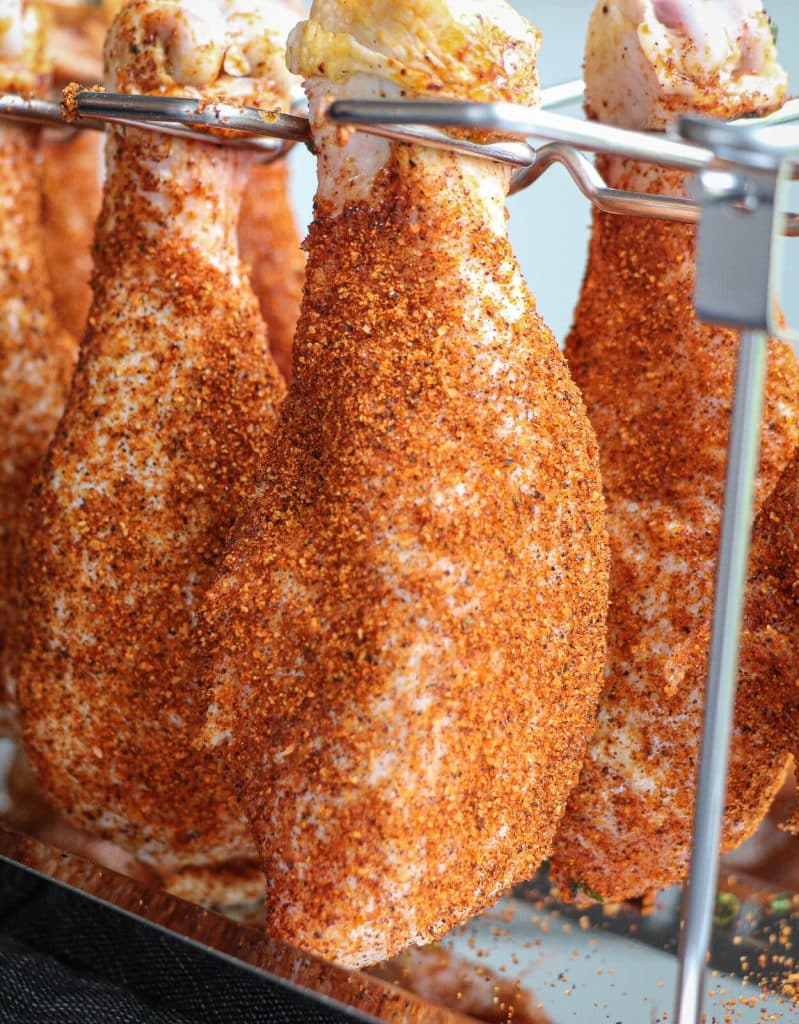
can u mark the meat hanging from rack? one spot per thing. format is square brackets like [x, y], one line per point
[658, 386]
[174, 402]
[268, 239]
[36, 355]
[76, 165]
[270, 246]
[406, 638]
[769, 670]
[73, 166]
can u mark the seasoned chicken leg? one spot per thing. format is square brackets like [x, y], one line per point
[173, 405]
[270, 245]
[658, 386]
[268, 237]
[69, 222]
[36, 355]
[769, 674]
[73, 166]
[406, 638]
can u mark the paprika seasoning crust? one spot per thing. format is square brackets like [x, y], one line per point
[36, 354]
[172, 409]
[658, 386]
[406, 636]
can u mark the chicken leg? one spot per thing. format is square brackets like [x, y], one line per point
[36, 355]
[73, 166]
[173, 405]
[658, 386]
[268, 238]
[406, 638]
[270, 245]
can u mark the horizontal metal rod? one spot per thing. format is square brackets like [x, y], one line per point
[32, 111]
[590, 182]
[191, 112]
[272, 135]
[95, 110]
[513, 119]
[789, 111]
[562, 95]
[515, 154]
[388, 118]
[155, 112]
[268, 149]
[612, 200]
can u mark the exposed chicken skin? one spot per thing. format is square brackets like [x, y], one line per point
[406, 638]
[270, 245]
[658, 386]
[36, 356]
[174, 401]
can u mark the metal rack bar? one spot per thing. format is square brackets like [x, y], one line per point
[737, 271]
[271, 145]
[699, 895]
[273, 135]
[30, 111]
[591, 184]
[529, 122]
[121, 107]
[563, 95]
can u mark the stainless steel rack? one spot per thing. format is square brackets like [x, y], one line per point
[742, 169]
[565, 139]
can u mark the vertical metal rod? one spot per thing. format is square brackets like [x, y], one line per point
[736, 524]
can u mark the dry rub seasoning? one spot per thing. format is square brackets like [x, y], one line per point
[406, 638]
[173, 406]
[36, 355]
[658, 387]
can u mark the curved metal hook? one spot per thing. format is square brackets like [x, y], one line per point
[612, 200]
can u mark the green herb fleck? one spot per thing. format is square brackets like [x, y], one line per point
[780, 905]
[134, 48]
[775, 30]
[583, 887]
[728, 906]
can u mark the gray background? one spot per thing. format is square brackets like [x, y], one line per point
[549, 222]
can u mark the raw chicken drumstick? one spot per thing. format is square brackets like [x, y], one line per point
[268, 237]
[270, 246]
[36, 355]
[407, 635]
[174, 402]
[73, 166]
[658, 386]
[73, 189]
[770, 638]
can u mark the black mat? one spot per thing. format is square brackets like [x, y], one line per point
[65, 959]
